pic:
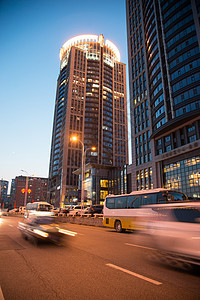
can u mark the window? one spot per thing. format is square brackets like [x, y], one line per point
[120, 202]
[159, 142]
[192, 138]
[168, 148]
[177, 196]
[190, 129]
[104, 183]
[103, 194]
[110, 203]
[134, 201]
[149, 199]
[161, 198]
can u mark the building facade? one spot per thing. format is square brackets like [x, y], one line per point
[12, 193]
[3, 191]
[37, 190]
[164, 70]
[91, 104]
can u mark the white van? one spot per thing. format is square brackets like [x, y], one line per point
[38, 209]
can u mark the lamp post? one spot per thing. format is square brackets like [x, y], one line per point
[75, 139]
[26, 188]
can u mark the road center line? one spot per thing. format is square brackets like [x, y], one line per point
[133, 245]
[134, 274]
[1, 294]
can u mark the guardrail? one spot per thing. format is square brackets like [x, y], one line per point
[97, 220]
[84, 219]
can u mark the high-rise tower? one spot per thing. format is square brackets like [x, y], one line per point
[164, 68]
[91, 104]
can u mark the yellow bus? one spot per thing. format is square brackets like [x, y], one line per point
[121, 211]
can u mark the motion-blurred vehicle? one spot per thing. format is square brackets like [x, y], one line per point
[4, 212]
[43, 228]
[56, 210]
[13, 211]
[38, 208]
[174, 230]
[22, 210]
[83, 212]
[95, 209]
[63, 212]
[75, 210]
[121, 211]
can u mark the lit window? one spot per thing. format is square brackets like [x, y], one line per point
[104, 183]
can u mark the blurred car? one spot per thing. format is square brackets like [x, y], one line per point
[63, 212]
[13, 211]
[95, 209]
[43, 228]
[174, 230]
[83, 212]
[75, 210]
[4, 212]
[56, 211]
[22, 210]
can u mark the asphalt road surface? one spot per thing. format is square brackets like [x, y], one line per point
[96, 264]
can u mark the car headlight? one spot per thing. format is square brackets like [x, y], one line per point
[41, 233]
[67, 232]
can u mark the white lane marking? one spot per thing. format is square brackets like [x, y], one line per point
[11, 225]
[133, 245]
[1, 294]
[134, 274]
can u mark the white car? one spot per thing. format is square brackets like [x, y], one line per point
[84, 211]
[174, 230]
[13, 211]
[75, 210]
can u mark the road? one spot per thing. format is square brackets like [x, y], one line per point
[96, 264]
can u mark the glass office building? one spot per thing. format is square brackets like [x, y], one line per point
[164, 68]
[91, 104]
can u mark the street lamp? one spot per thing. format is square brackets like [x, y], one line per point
[26, 188]
[84, 151]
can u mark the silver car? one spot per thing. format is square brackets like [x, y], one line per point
[174, 230]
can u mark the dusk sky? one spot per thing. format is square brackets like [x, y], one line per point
[32, 33]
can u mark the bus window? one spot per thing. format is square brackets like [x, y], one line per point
[177, 196]
[161, 198]
[149, 199]
[120, 202]
[130, 200]
[134, 201]
[43, 207]
[110, 203]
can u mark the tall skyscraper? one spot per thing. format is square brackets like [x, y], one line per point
[164, 68]
[91, 104]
